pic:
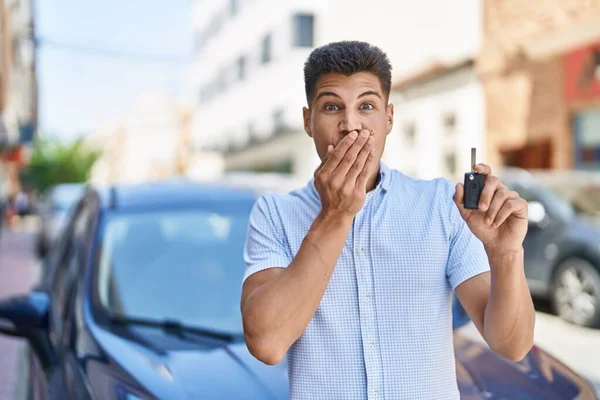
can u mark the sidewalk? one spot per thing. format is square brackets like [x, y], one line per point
[18, 272]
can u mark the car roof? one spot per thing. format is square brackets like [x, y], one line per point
[172, 193]
[264, 182]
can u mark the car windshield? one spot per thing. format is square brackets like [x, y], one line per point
[184, 265]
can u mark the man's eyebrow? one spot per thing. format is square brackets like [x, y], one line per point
[322, 94]
[370, 92]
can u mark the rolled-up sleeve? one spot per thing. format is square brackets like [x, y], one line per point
[467, 257]
[265, 245]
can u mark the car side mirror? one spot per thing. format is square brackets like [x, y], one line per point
[22, 315]
[536, 214]
[27, 316]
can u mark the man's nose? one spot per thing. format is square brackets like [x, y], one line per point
[350, 121]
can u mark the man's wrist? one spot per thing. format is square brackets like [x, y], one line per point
[326, 225]
[506, 259]
[334, 219]
[496, 253]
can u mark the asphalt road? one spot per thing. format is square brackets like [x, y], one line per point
[579, 348]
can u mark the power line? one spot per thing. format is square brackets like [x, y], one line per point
[112, 52]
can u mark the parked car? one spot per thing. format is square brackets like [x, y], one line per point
[562, 252]
[140, 300]
[53, 209]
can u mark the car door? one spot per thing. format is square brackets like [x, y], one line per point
[58, 282]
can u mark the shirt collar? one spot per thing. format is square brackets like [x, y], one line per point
[385, 176]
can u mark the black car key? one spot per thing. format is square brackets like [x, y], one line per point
[473, 185]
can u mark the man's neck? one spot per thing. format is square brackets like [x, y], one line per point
[374, 180]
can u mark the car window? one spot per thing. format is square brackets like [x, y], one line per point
[525, 194]
[554, 202]
[64, 197]
[67, 271]
[69, 263]
[176, 264]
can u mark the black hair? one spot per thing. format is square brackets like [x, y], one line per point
[347, 58]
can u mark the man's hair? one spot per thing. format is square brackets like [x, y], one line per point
[347, 58]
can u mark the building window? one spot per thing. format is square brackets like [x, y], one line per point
[214, 26]
[199, 40]
[209, 91]
[303, 30]
[266, 50]
[205, 95]
[251, 130]
[450, 162]
[233, 7]
[278, 120]
[410, 133]
[222, 81]
[241, 68]
[587, 139]
[450, 122]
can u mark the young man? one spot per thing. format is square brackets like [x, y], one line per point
[352, 275]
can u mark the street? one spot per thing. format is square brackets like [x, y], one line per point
[18, 272]
[577, 347]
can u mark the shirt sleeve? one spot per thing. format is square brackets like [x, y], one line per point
[265, 246]
[467, 256]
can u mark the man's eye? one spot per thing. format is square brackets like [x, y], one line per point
[366, 106]
[331, 107]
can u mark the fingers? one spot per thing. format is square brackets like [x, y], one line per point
[459, 197]
[516, 207]
[483, 169]
[500, 198]
[329, 150]
[365, 174]
[492, 183]
[350, 156]
[337, 155]
[359, 164]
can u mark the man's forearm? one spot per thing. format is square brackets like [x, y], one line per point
[277, 313]
[509, 315]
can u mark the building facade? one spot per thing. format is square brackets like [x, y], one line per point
[248, 74]
[18, 89]
[540, 67]
[249, 66]
[440, 117]
[151, 142]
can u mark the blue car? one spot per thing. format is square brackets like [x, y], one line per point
[140, 299]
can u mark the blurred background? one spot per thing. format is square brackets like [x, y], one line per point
[113, 92]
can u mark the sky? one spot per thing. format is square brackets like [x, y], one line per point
[82, 85]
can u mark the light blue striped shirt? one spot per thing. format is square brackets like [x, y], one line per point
[383, 329]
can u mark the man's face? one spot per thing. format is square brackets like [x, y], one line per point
[342, 104]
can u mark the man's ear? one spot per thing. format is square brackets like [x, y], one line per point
[390, 115]
[306, 117]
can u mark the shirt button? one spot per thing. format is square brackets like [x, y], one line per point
[367, 298]
[376, 394]
[371, 346]
[361, 251]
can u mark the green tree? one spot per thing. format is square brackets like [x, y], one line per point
[53, 162]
